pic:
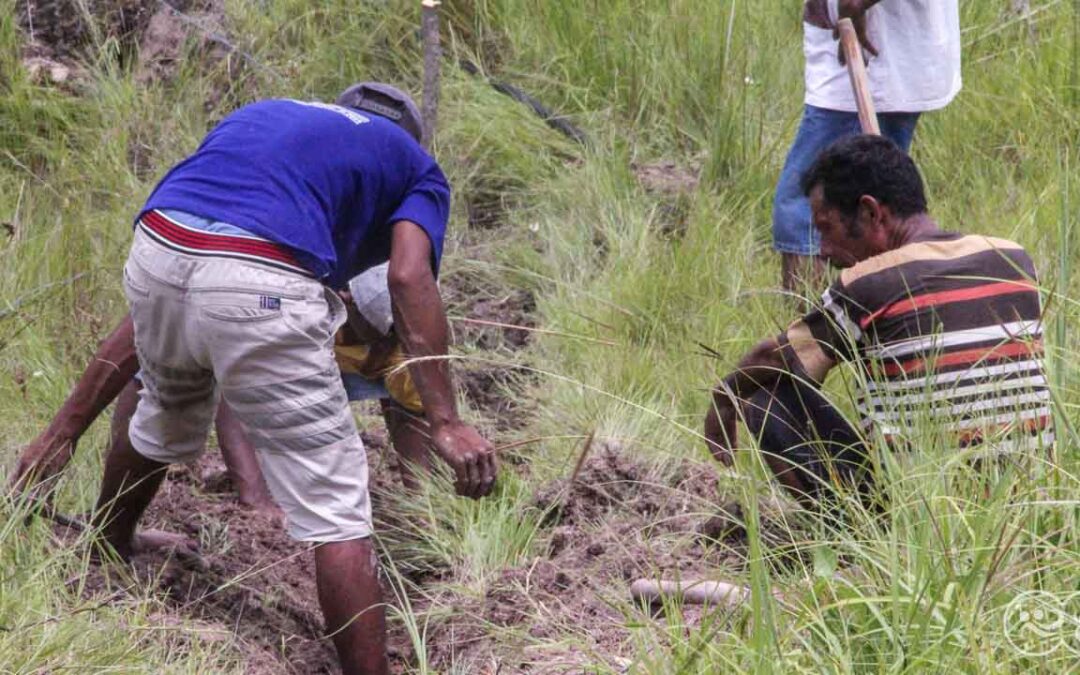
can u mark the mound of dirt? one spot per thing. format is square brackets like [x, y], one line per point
[257, 584]
[501, 322]
[666, 177]
[622, 519]
[58, 34]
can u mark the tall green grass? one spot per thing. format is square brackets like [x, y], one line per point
[633, 281]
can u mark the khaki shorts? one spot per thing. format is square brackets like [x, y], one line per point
[263, 339]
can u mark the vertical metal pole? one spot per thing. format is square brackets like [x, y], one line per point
[429, 30]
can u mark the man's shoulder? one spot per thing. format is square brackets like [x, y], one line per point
[308, 113]
[938, 250]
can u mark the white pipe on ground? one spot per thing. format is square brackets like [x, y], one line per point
[693, 592]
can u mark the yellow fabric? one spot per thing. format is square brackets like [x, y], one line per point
[381, 365]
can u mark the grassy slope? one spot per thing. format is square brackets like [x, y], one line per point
[691, 81]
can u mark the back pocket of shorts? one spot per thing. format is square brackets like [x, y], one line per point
[240, 314]
[132, 287]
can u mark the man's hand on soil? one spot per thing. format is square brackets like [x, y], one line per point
[720, 429]
[470, 456]
[41, 461]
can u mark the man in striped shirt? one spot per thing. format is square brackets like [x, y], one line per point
[946, 330]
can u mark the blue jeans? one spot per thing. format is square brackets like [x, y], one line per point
[793, 231]
[359, 388]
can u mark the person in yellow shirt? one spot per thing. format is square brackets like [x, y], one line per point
[372, 365]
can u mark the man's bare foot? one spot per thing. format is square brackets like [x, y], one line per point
[263, 506]
[173, 545]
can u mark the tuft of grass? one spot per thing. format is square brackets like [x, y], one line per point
[629, 281]
[51, 620]
[435, 532]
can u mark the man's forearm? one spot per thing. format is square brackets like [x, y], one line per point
[420, 324]
[111, 370]
[113, 366]
[759, 369]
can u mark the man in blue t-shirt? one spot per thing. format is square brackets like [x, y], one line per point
[232, 281]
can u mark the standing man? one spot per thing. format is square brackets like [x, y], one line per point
[914, 66]
[946, 327]
[232, 282]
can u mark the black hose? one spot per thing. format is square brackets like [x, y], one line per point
[557, 122]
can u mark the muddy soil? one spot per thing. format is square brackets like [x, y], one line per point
[621, 520]
[256, 584]
[564, 608]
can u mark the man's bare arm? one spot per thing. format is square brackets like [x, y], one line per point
[420, 323]
[758, 369]
[112, 368]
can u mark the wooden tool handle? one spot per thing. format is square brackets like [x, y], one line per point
[849, 42]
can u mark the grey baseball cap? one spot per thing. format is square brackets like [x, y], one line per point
[387, 101]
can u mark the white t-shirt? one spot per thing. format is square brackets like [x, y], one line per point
[918, 62]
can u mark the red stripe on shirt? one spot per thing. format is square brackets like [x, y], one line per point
[945, 297]
[210, 241]
[967, 356]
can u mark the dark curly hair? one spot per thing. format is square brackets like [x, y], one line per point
[867, 165]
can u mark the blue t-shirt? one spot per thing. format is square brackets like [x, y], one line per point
[325, 181]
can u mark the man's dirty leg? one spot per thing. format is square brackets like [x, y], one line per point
[347, 575]
[240, 460]
[129, 484]
[411, 438]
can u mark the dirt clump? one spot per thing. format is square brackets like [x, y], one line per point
[612, 481]
[487, 315]
[61, 34]
[492, 323]
[257, 582]
[501, 322]
[496, 394]
[666, 177]
[565, 608]
[68, 26]
[162, 42]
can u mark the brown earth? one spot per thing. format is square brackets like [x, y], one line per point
[256, 585]
[566, 607]
[494, 322]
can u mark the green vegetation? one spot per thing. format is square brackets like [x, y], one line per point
[631, 282]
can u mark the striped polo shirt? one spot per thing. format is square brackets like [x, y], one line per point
[949, 333]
